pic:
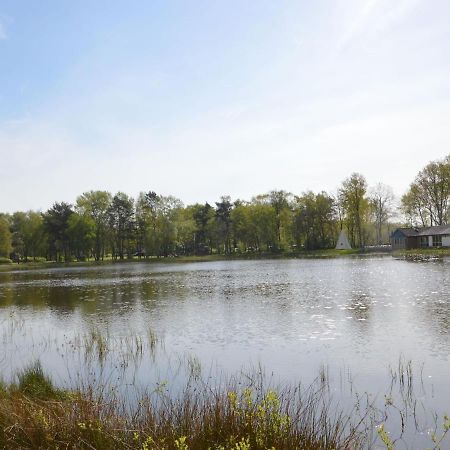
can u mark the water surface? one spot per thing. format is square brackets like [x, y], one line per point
[355, 315]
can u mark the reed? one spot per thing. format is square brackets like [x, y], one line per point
[34, 414]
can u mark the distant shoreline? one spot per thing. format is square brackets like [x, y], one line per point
[313, 254]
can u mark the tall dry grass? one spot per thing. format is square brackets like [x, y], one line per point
[34, 414]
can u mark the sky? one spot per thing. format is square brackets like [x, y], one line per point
[200, 99]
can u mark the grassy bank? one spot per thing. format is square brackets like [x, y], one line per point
[327, 253]
[34, 414]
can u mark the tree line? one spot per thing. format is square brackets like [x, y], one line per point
[100, 225]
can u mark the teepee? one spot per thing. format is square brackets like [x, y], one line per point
[342, 243]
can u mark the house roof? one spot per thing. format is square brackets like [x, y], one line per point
[408, 231]
[425, 231]
[434, 231]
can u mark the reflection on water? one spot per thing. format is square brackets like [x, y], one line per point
[253, 303]
[291, 316]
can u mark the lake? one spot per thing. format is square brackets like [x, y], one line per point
[357, 316]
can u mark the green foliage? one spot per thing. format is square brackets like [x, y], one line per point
[95, 205]
[158, 219]
[56, 225]
[35, 415]
[103, 226]
[314, 221]
[223, 224]
[203, 216]
[355, 207]
[121, 222]
[185, 231]
[180, 443]
[28, 235]
[427, 201]
[81, 233]
[280, 202]
[5, 238]
[384, 436]
[34, 383]
[263, 416]
[439, 438]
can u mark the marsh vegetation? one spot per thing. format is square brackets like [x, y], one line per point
[242, 412]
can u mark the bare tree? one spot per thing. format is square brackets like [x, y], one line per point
[381, 199]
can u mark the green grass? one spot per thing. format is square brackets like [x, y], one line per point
[32, 382]
[323, 253]
[328, 253]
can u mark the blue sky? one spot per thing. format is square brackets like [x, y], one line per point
[206, 98]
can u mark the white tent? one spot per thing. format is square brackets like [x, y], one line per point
[342, 243]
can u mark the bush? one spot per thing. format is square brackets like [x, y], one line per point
[34, 383]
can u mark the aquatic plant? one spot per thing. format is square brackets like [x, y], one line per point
[35, 384]
[203, 416]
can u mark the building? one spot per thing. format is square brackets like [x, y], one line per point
[406, 238]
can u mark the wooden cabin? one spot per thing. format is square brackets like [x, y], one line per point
[407, 238]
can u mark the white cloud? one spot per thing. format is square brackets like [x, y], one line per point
[394, 13]
[240, 149]
[357, 23]
[372, 17]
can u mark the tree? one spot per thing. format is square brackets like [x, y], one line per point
[81, 232]
[413, 207]
[223, 221]
[186, 228]
[203, 216]
[263, 223]
[96, 204]
[156, 219]
[434, 182]
[56, 224]
[381, 200]
[121, 222]
[169, 206]
[5, 238]
[279, 201]
[427, 201]
[352, 196]
[315, 221]
[147, 207]
[241, 225]
[28, 234]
